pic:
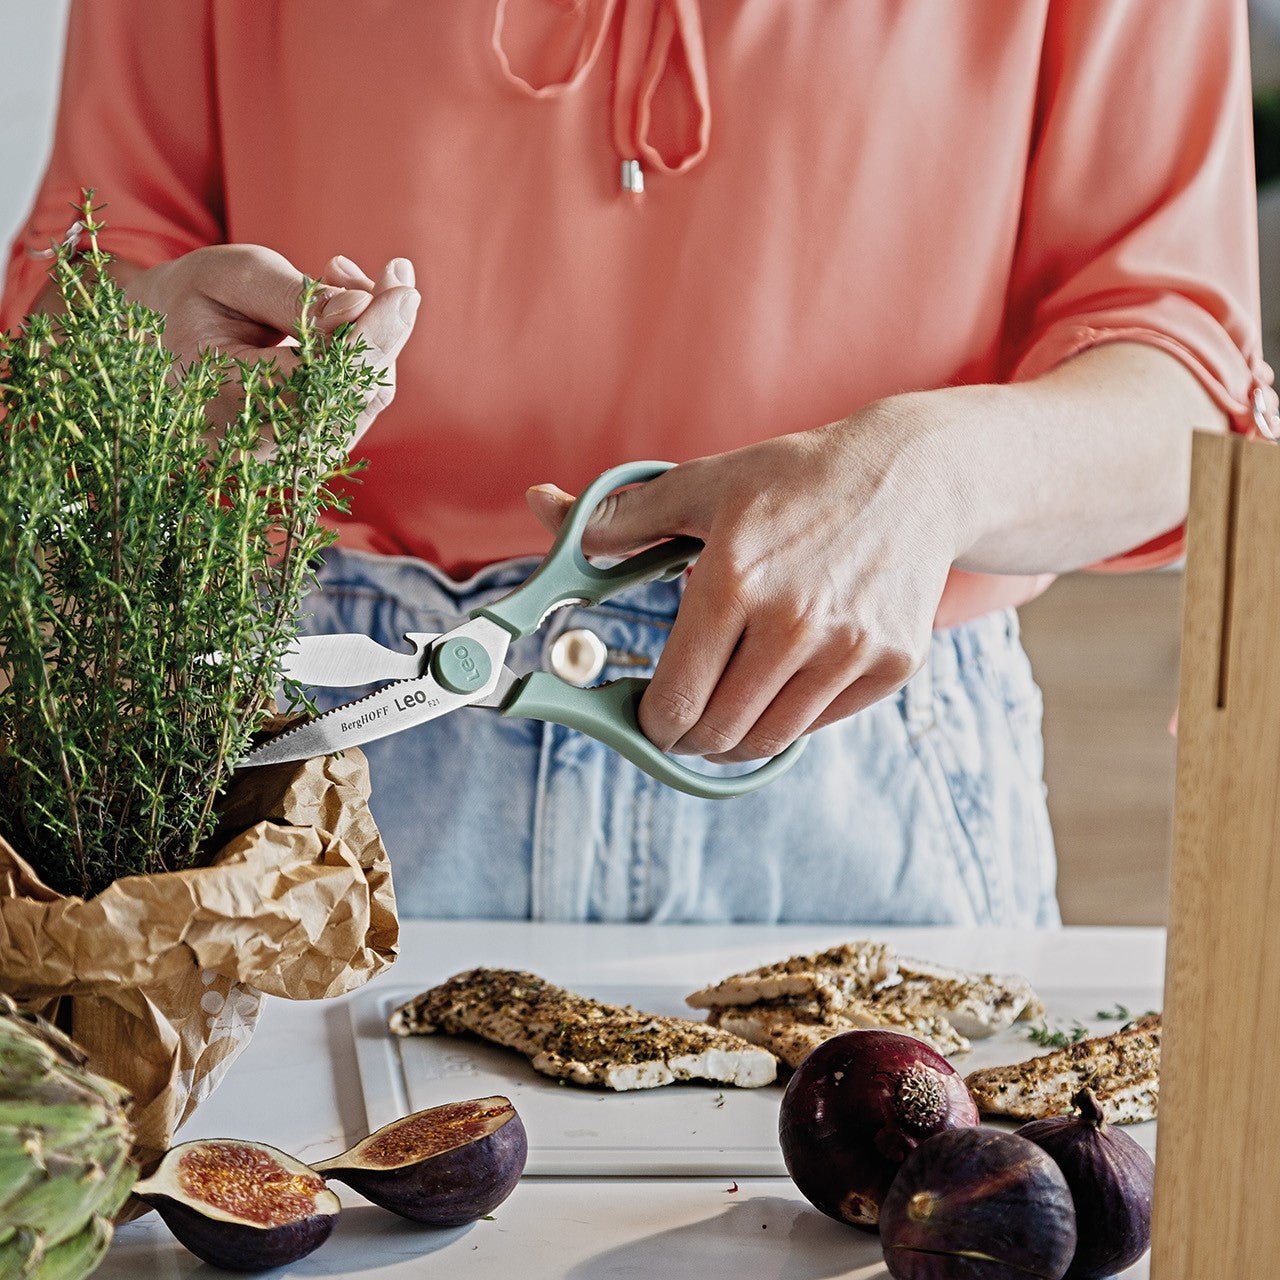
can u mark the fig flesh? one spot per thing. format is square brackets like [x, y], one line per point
[239, 1205]
[855, 1108]
[1112, 1181]
[978, 1204]
[444, 1167]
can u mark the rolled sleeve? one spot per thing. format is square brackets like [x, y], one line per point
[1140, 211]
[137, 123]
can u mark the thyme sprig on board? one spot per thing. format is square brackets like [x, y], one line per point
[151, 569]
[1056, 1038]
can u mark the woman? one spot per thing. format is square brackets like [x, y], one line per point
[925, 297]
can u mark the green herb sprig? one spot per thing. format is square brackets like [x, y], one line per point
[1056, 1038]
[1117, 1013]
[151, 569]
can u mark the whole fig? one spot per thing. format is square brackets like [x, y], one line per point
[978, 1204]
[1112, 1181]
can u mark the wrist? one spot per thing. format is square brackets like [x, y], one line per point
[937, 459]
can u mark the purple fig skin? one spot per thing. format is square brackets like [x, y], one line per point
[236, 1246]
[978, 1204]
[855, 1108]
[449, 1189]
[1112, 1181]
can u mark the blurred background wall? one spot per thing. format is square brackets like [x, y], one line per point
[30, 58]
[1105, 649]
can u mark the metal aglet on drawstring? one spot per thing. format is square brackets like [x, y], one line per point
[632, 177]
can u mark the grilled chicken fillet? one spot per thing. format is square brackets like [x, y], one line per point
[976, 1004]
[826, 976]
[1122, 1069]
[797, 1003]
[791, 1029]
[571, 1037]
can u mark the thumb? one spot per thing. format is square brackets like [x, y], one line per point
[265, 288]
[624, 522]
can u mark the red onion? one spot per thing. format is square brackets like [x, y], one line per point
[854, 1110]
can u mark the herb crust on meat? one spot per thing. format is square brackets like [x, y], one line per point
[585, 1041]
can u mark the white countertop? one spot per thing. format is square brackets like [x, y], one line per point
[297, 1087]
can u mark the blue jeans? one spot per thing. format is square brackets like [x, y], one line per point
[927, 808]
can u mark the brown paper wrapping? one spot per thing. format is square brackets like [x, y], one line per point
[159, 977]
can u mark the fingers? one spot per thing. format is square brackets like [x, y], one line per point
[385, 327]
[767, 656]
[702, 641]
[877, 683]
[822, 693]
[398, 272]
[345, 274]
[550, 504]
[388, 321]
[782, 680]
[799, 702]
[265, 288]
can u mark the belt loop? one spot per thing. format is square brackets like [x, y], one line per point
[917, 699]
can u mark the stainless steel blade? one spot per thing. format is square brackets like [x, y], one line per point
[497, 697]
[346, 661]
[396, 707]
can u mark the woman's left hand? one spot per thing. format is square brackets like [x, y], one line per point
[826, 556]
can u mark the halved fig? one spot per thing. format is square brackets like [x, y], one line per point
[445, 1166]
[241, 1205]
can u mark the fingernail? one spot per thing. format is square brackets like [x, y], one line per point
[554, 492]
[402, 271]
[409, 304]
[347, 267]
[343, 302]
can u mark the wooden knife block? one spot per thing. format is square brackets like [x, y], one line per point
[1217, 1207]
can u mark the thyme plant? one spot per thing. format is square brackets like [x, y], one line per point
[151, 570]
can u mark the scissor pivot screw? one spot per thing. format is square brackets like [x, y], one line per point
[461, 665]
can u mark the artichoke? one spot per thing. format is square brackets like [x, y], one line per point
[64, 1153]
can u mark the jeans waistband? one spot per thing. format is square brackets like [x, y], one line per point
[427, 587]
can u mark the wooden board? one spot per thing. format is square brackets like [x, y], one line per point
[1219, 1161]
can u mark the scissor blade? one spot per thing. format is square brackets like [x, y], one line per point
[347, 661]
[397, 706]
[393, 708]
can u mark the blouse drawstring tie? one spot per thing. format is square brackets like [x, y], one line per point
[651, 32]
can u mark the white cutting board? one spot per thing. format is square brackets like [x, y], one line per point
[678, 1130]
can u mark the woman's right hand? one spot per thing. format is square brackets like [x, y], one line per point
[244, 299]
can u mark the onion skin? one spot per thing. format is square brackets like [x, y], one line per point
[855, 1108]
[978, 1204]
[1112, 1181]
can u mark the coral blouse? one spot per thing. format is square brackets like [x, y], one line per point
[841, 200]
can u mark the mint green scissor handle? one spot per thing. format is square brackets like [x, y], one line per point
[609, 712]
[566, 575]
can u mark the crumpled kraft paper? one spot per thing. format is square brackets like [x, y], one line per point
[163, 973]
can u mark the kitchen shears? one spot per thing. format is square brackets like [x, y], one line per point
[466, 667]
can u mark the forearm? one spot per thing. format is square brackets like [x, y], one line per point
[1081, 464]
